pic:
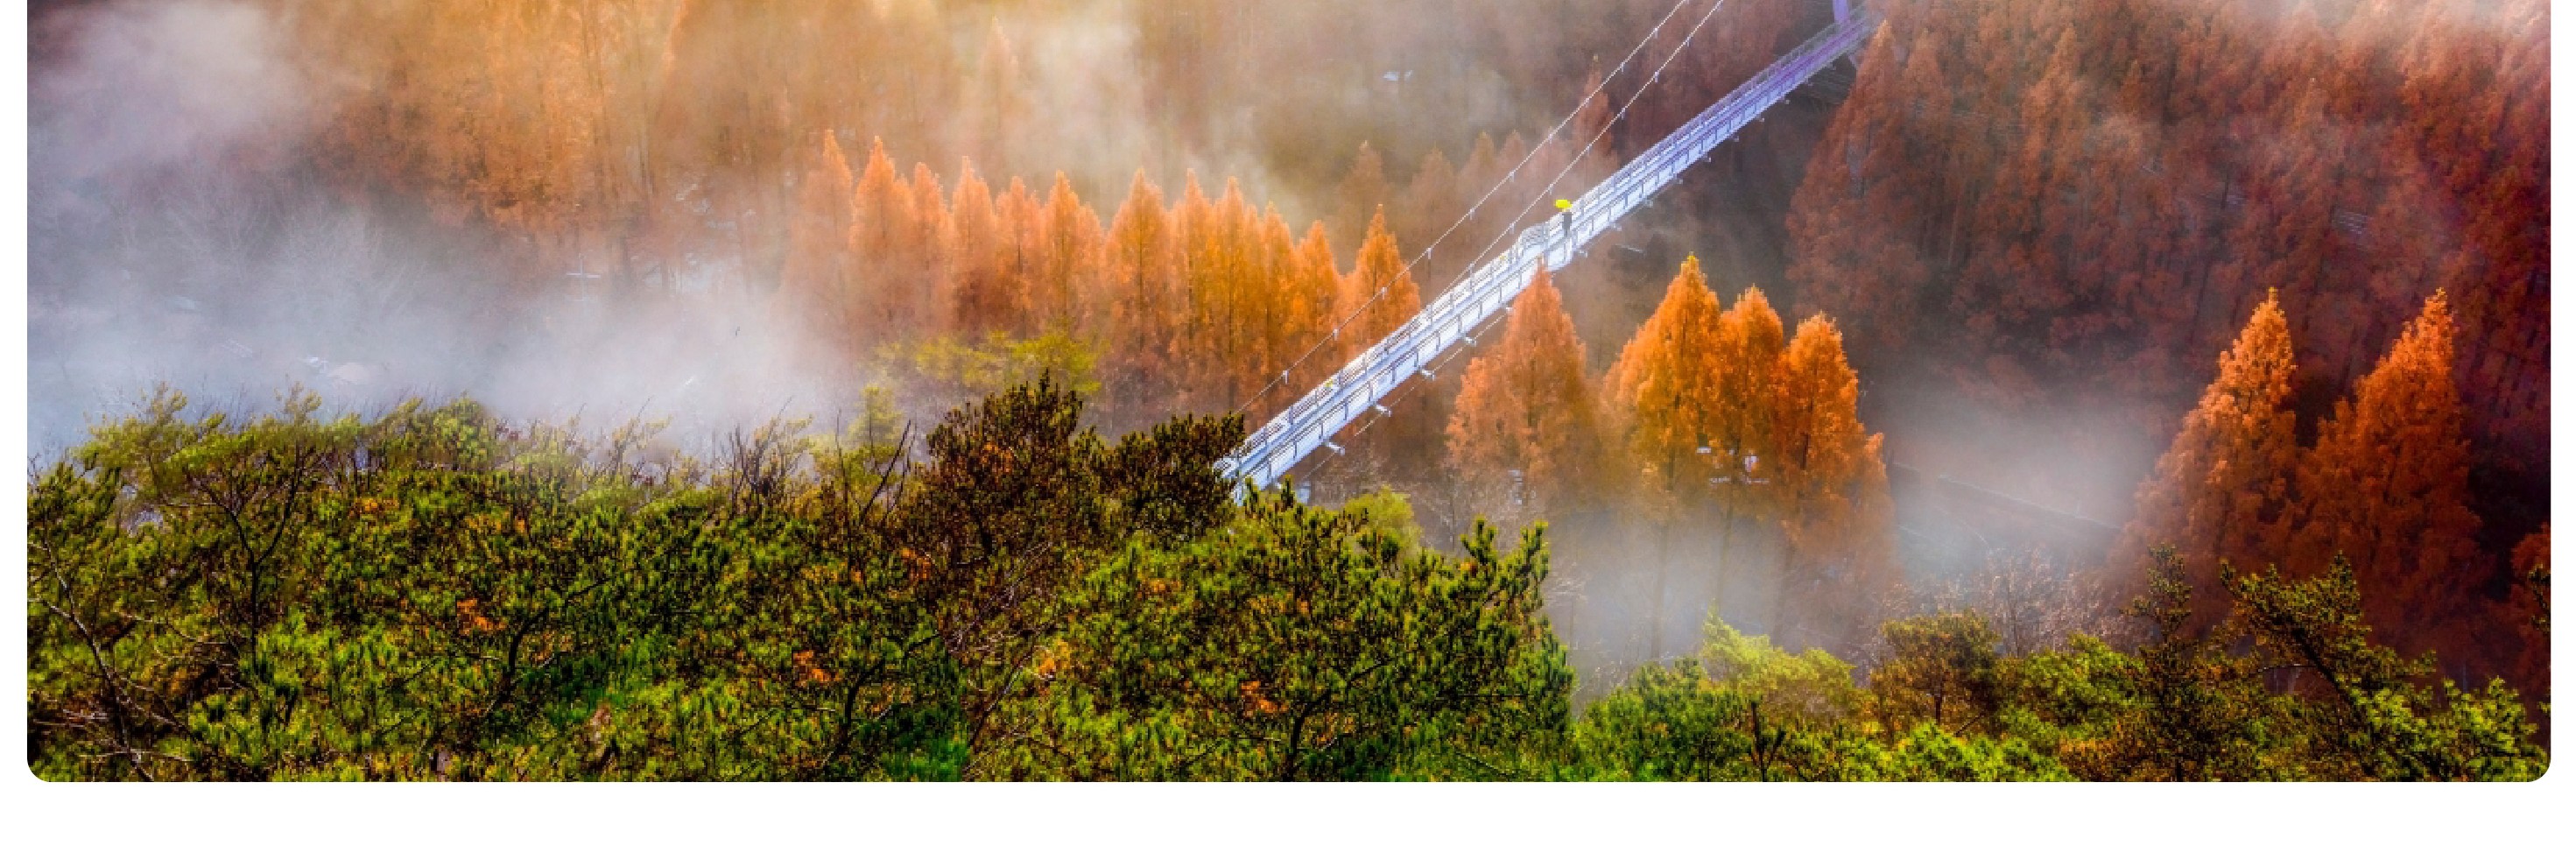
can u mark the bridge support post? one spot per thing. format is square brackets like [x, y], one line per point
[1842, 10]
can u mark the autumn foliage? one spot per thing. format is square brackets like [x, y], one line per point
[2055, 200]
[2221, 490]
[1708, 417]
[2387, 484]
[1526, 433]
[1206, 304]
[2383, 490]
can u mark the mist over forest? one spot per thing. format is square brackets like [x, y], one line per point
[2123, 341]
[455, 197]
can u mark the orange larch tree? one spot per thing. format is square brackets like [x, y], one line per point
[1211, 336]
[1378, 295]
[979, 294]
[1144, 284]
[1824, 471]
[1483, 168]
[1379, 291]
[1744, 370]
[1280, 335]
[1526, 409]
[1063, 295]
[1020, 256]
[1848, 255]
[2222, 486]
[1661, 396]
[930, 298]
[1430, 203]
[2387, 485]
[2530, 608]
[1363, 192]
[889, 258]
[1311, 289]
[813, 288]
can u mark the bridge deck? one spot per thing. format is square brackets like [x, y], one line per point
[1354, 390]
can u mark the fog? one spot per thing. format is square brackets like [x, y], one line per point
[183, 231]
[235, 196]
[192, 223]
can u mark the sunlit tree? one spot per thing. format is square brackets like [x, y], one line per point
[2222, 486]
[1524, 433]
[2387, 484]
[1829, 487]
[1661, 395]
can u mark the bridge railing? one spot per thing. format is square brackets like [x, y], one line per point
[1360, 384]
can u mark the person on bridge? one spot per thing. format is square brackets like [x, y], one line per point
[1565, 215]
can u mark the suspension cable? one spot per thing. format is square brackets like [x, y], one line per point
[1407, 389]
[1479, 204]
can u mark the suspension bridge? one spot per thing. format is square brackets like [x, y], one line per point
[1361, 385]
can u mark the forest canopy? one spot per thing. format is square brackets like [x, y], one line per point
[2044, 390]
[431, 594]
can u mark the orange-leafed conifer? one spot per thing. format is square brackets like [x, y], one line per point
[1379, 290]
[1840, 262]
[1066, 291]
[1661, 396]
[2530, 608]
[814, 284]
[979, 296]
[1363, 192]
[930, 297]
[2222, 485]
[1143, 268]
[1822, 469]
[1020, 256]
[888, 255]
[1224, 283]
[1430, 201]
[2387, 484]
[1525, 408]
[1380, 296]
[1272, 299]
[1745, 372]
[1311, 291]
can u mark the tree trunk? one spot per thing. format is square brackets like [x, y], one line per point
[1663, 567]
[1780, 591]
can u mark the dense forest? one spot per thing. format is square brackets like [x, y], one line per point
[2053, 203]
[2054, 389]
[431, 594]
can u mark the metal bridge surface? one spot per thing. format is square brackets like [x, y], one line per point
[1356, 389]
